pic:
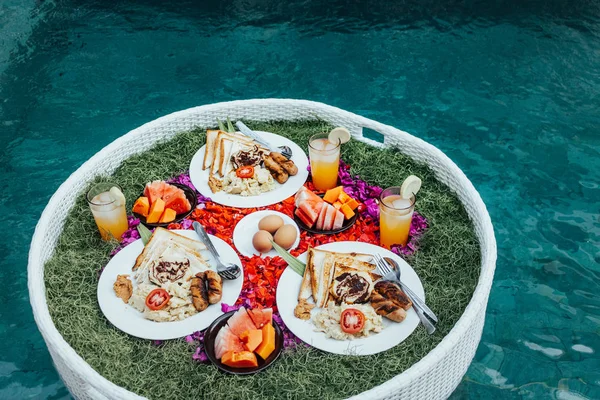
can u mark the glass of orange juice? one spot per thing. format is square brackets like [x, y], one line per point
[395, 216]
[107, 203]
[324, 161]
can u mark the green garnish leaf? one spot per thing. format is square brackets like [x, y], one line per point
[230, 126]
[144, 233]
[221, 125]
[295, 264]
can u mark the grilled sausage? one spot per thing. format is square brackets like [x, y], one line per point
[199, 292]
[275, 169]
[215, 286]
[287, 165]
[393, 292]
[387, 308]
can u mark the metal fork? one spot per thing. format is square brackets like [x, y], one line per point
[389, 274]
[228, 271]
[284, 150]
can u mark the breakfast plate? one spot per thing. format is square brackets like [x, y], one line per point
[280, 192]
[248, 226]
[129, 320]
[392, 333]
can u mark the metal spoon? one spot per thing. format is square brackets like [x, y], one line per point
[227, 271]
[284, 150]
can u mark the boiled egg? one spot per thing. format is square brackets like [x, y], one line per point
[286, 236]
[262, 241]
[270, 223]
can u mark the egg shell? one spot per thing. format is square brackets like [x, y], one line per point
[286, 236]
[262, 241]
[270, 223]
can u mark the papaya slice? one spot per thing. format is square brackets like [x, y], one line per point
[332, 194]
[241, 359]
[352, 204]
[343, 197]
[156, 210]
[141, 206]
[252, 338]
[167, 216]
[268, 343]
[348, 213]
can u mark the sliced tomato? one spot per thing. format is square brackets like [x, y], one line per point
[352, 320]
[157, 299]
[246, 171]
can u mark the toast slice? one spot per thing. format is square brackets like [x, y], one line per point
[305, 286]
[221, 144]
[321, 273]
[160, 240]
[209, 154]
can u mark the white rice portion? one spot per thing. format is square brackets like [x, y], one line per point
[327, 320]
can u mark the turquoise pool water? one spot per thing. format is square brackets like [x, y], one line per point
[508, 90]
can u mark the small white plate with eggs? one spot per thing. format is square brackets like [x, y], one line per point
[272, 225]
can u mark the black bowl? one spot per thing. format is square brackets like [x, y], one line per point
[347, 224]
[209, 346]
[189, 194]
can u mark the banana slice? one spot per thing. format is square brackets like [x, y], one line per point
[339, 133]
[117, 196]
[410, 186]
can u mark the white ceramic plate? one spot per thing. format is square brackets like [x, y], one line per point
[131, 321]
[248, 226]
[393, 333]
[199, 178]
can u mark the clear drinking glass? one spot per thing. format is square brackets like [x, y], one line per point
[110, 216]
[395, 216]
[324, 161]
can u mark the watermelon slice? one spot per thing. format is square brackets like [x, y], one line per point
[321, 217]
[329, 218]
[154, 190]
[227, 341]
[170, 192]
[261, 317]
[179, 203]
[312, 209]
[304, 218]
[240, 322]
[305, 194]
[338, 222]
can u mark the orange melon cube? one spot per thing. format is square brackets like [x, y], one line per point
[332, 194]
[337, 205]
[141, 206]
[348, 213]
[352, 204]
[156, 211]
[344, 198]
[168, 215]
[252, 338]
[268, 342]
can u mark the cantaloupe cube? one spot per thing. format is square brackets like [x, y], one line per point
[344, 198]
[141, 206]
[348, 213]
[337, 205]
[252, 338]
[167, 216]
[352, 204]
[268, 342]
[156, 210]
[332, 194]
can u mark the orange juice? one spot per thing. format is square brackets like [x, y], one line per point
[324, 162]
[395, 216]
[109, 214]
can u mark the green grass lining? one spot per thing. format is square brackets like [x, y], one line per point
[447, 263]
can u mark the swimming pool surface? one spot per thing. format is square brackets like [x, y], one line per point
[509, 91]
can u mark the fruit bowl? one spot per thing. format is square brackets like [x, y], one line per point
[209, 346]
[347, 224]
[189, 194]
